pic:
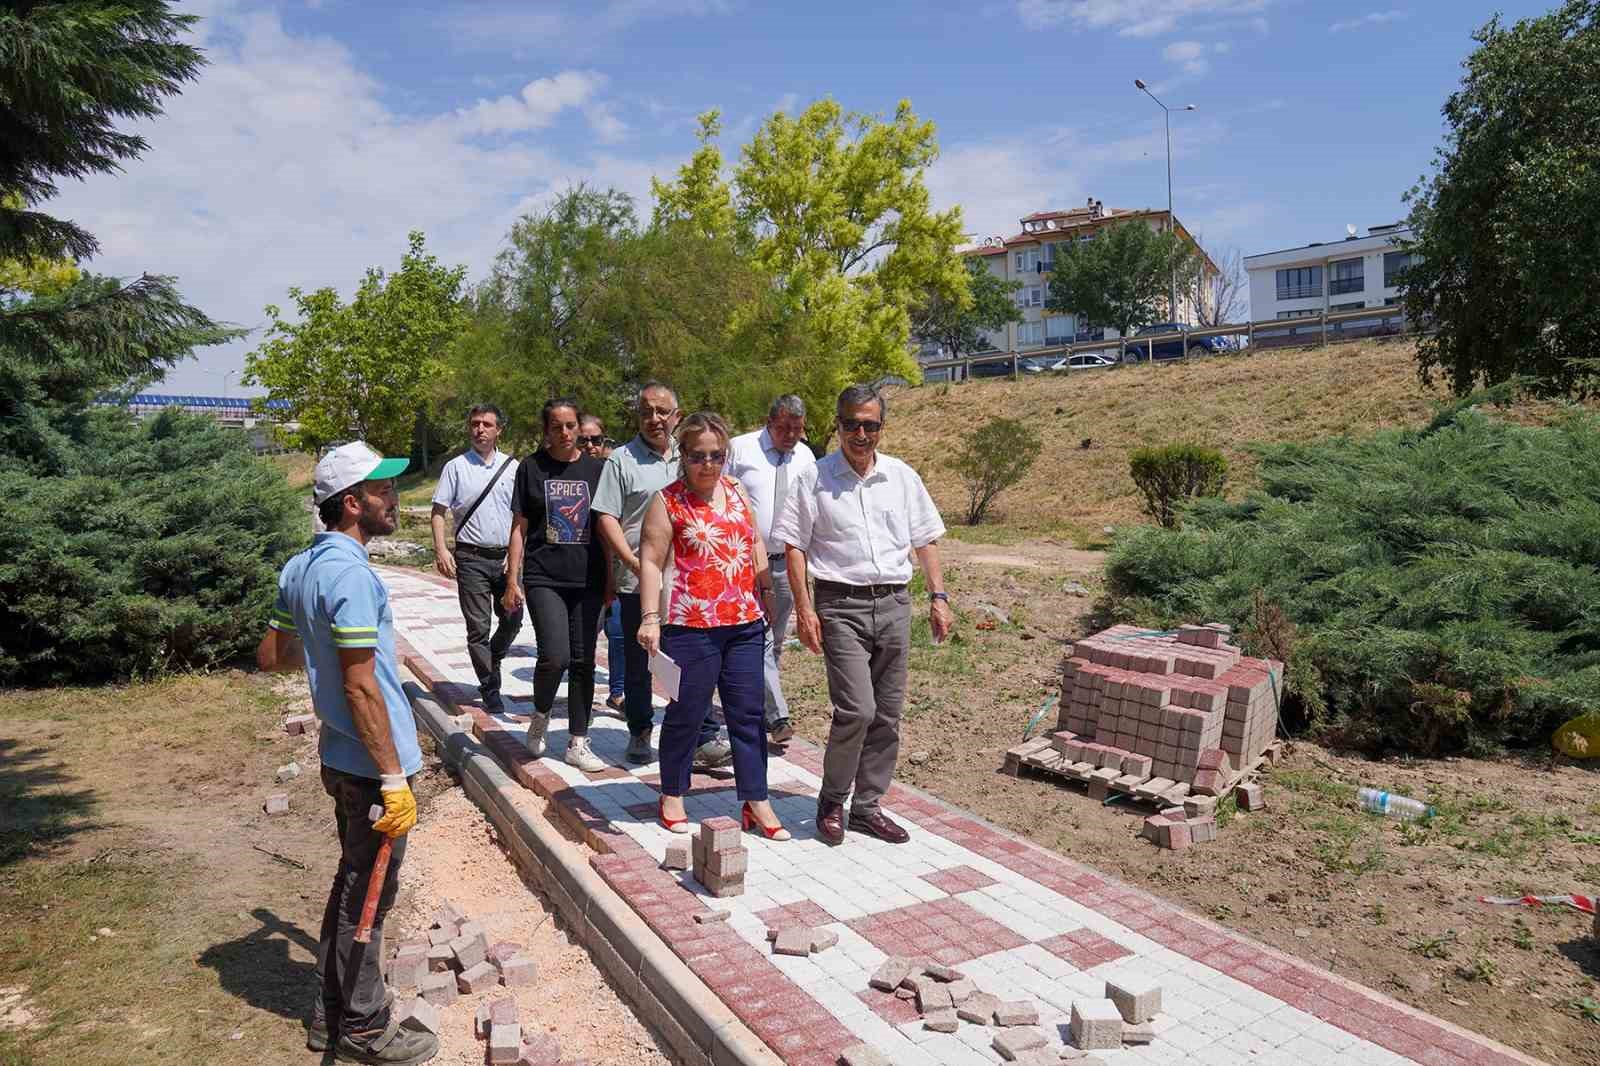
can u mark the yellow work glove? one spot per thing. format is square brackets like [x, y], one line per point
[399, 807]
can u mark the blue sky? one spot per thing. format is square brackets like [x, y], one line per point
[323, 131]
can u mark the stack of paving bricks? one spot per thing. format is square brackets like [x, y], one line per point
[1159, 715]
[720, 858]
[945, 998]
[455, 959]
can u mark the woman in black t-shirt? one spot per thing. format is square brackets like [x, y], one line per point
[557, 565]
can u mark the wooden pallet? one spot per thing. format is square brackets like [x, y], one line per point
[1038, 756]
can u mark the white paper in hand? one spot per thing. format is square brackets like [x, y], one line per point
[667, 674]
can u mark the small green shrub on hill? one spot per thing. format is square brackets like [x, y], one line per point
[992, 458]
[140, 547]
[1442, 583]
[1171, 474]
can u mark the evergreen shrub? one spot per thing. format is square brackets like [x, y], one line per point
[1170, 474]
[1441, 583]
[139, 547]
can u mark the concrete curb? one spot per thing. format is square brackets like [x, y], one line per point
[665, 992]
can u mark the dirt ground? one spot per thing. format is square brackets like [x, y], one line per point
[151, 913]
[1390, 905]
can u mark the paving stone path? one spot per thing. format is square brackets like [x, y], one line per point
[1023, 922]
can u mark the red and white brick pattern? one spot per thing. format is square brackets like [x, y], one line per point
[1023, 922]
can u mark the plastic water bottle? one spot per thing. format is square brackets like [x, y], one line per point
[1392, 806]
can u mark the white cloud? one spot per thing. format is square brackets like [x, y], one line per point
[1131, 18]
[1376, 18]
[282, 165]
[1190, 56]
[535, 107]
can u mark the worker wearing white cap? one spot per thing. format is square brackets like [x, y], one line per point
[332, 614]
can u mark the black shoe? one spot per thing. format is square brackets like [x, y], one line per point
[876, 823]
[493, 703]
[830, 823]
[395, 1046]
[780, 732]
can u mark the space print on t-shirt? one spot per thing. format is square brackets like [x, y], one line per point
[566, 511]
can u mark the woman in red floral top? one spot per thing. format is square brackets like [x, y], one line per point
[716, 616]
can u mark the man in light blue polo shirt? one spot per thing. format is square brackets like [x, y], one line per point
[332, 615]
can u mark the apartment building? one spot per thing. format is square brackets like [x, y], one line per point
[1029, 256]
[1349, 275]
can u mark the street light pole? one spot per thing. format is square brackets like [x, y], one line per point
[226, 375]
[1172, 223]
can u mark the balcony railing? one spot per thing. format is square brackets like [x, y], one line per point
[1337, 286]
[1298, 292]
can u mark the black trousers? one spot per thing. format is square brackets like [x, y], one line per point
[350, 975]
[480, 584]
[566, 624]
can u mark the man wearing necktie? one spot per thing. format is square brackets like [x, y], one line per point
[766, 463]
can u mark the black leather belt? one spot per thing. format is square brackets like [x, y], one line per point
[487, 553]
[858, 590]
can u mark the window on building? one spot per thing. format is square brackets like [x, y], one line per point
[1394, 266]
[1030, 334]
[1356, 306]
[1298, 283]
[1027, 260]
[1087, 331]
[1053, 251]
[1311, 313]
[1059, 329]
[1391, 301]
[1032, 296]
[1346, 275]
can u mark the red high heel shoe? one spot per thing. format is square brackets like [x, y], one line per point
[750, 821]
[671, 825]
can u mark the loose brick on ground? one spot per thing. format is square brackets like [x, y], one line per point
[1143, 1033]
[1250, 797]
[890, 973]
[792, 942]
[720, 834]
[438, 989]
[480, 1021]
[277, 803]
[518, 971]
[442, 935]
[1202, 830]
[712, 917]
[933, 996]
[823, 939]
[940, 972]
[502, 950]
[505, 1043]
[502, 1011]
[962, 989]
[410, 965]
[1096, 1024]
[941, 1021]
[978, 1008]
[1137, 998]
[540, 1049]
[469, 951]
[477, 978]
[677, 855]
[1017, 1012]
[1013, 1043]
[440, 958]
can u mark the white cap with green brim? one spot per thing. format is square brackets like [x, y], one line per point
[350, 464]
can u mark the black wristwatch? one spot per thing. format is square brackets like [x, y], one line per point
[945, 596]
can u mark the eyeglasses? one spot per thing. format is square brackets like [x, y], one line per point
[590, 442]
[701, 458]
[850, 425]
[657, 412]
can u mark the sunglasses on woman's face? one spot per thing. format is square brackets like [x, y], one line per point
[701, 458]
[590, 442]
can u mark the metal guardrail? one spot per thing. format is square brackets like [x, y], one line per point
[1268, 333]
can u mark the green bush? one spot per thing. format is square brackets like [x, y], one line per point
[993, 458]
[1441, 582]
[140, 547]
[1169, 475]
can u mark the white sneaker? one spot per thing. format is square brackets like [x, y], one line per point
[581, 755]
[536, 729]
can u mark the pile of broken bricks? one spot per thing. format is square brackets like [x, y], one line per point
[1195, 822]
[945, 998]
[295, 725]
[716, 856]
[456, 959]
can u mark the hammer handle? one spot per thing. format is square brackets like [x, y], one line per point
[369, 909]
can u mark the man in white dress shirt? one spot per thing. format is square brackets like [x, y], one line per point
[767, 462]
[853, 522]
[482, 533]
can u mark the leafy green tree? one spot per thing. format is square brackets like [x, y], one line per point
[1122, 277]
[364, 369]
[1507, 229]
[833, 208]
[1168, 476]
[959, 329]
[994, 457]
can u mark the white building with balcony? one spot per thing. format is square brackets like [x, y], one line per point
[1029, 257]
[1348, 275]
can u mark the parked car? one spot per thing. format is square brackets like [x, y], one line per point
[1173, 348]
[1089, 361]
[1039, 364]
[1000, 368]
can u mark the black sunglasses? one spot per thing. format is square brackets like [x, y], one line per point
[699, 458]
[850, 425]
[585, 442]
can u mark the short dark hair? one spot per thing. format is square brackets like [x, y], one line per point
[487, 409]
[552, 406]
[331, 510]
[856, 395]
[589, 416]
[656, 386]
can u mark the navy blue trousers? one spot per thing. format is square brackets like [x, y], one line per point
[727, 660]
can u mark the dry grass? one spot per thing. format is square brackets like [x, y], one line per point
[1280, 395]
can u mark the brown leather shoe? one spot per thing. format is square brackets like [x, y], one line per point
[830, 823]
[781, 733]
[879, 825]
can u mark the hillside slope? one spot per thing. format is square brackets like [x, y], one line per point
[1226, 402]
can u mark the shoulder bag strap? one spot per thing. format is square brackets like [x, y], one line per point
[481, 497]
